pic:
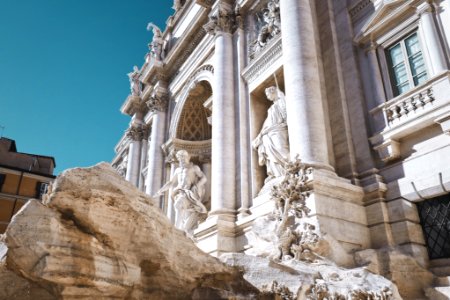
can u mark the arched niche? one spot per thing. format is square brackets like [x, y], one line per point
[190, 128]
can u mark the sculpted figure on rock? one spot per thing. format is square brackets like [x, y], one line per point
[188, 189]
[272, 142]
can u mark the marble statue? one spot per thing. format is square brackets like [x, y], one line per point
[188, 189]
[157, 44]
[135, 86]
[272, 142]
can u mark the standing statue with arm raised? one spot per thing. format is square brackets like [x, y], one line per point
[188, 190]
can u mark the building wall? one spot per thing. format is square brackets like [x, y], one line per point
[22, 176]
[394, 150]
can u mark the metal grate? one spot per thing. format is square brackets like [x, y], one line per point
[435, 220]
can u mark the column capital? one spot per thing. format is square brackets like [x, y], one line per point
[159, 98]
[157, 103]
[223, 20]
[135, 133]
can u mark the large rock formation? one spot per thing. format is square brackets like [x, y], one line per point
[97, 236]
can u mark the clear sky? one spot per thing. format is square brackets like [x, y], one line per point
[63, 66]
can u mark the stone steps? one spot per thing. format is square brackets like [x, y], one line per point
[440, 270]
[441, 289]
[440, 267]
[442, 281]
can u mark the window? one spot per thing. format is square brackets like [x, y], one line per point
[2, 181]
[41, 189]
[435, 220]
[406, 64]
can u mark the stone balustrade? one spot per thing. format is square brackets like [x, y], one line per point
[403, 107]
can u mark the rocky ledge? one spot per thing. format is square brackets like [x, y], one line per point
[95, 236]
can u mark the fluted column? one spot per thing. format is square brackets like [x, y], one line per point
[157, 104]
[431, 38]
[305, 115]
[223, 181]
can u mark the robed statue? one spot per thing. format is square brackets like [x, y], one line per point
[272, 142]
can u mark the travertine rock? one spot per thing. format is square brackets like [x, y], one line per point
[295, 279]
[97, 236]
[15, 287]
[410, 278]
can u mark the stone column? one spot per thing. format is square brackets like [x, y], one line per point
[431, 38]
[144, 150]
[158, 104]
[375, 74]
[305, 114]
[223, 181]
[244, 128]
[134, 155]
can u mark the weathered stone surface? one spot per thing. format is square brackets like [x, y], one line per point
[15, 287]
[411, 279]
[97, 236]
[295, 279]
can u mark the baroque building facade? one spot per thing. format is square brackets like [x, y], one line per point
[362, 89]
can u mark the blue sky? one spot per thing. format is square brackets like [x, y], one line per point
[63, 66]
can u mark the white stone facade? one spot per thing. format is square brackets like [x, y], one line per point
[376, 152]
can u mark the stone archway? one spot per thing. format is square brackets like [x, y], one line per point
[191, 130]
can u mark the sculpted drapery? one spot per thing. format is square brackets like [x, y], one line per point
[272, 143]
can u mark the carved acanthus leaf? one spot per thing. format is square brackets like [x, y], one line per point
[223, 21]
[157, 103]
[136, 133]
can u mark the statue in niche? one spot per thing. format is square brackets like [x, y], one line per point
[135, 85]
[188, 190]
[272, 142]
[271, 27]
[157, 44]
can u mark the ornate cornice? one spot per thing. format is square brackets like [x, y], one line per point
[132, 105]
[200, 150]
[205, 3]
[359, 9]
[264, 60]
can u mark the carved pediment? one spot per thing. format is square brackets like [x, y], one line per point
[386, 11]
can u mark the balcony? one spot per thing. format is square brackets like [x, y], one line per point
[421, 107]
